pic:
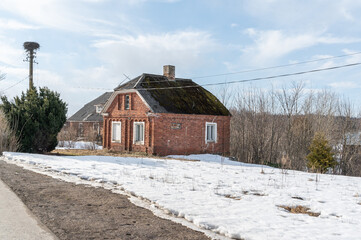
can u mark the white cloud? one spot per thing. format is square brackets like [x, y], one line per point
[270, 45]
[344, 85]
[14, 25]
[10, 55]
[355, 57]
[316, 14]
[59, 14]
[148, 53]
[144, 1]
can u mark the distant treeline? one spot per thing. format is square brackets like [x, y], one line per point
[277, 127]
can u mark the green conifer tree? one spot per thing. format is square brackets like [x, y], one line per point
[320, 157]
[36, 117]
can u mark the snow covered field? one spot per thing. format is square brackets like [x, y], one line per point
[233, 199]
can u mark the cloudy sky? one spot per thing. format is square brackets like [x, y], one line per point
[88, 46]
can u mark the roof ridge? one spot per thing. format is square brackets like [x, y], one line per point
[89, 110]
[140, 79]
[160, 75]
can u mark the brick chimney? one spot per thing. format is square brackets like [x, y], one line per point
[169, 72]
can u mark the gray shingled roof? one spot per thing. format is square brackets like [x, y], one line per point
[88, 113]
[182, 96]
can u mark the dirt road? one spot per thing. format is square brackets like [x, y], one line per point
[82, 212]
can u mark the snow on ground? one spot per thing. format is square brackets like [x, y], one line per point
[233, 199]
[78, 145]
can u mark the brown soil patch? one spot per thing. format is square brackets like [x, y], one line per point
[82, 212]
[87, 152]
[299, 209]
[106, 152]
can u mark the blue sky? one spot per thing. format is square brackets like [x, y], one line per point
[88, 45]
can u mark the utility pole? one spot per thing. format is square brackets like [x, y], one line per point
[30, 48]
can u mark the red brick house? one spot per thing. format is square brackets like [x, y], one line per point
[162, 115]
[88, 119]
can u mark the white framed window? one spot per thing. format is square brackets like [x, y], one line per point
[138, 135]
[116, 131]
[211, 132]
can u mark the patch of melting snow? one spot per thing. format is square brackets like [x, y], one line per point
[220, 196]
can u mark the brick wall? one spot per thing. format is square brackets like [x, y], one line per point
[84, 128]
[186, 134]
[164, 133]
[137, 112]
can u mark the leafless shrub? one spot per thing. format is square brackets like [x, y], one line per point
[67, 136]
[92, 137]
[8, 140]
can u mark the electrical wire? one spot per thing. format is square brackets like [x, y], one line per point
[106, 89]
[267, 68]
[279, 66]
[14, 84]
[257, 79]
[246, 80]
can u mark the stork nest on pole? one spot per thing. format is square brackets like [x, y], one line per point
[28, 46]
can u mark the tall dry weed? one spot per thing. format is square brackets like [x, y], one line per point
[8, 140]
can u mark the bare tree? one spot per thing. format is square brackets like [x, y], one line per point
[348, 135]
[276, 127]
[8, 140]
[290, 104]
[254, 129]
[226, 95]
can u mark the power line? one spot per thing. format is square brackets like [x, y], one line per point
[267, 68]
[14, 84]
[106, 89]
[2, 76]
[279, 66]
[259, 78]
[245, 80]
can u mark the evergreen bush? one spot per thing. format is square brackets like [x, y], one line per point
[320, 157]
[36, 117]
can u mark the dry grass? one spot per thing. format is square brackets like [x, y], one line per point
[8, 140]
[87, 152]
[106, 152]
[259, 194]
[299, 210]
[232, 197]
[254, 192]
[299, 198]
[229, 196]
